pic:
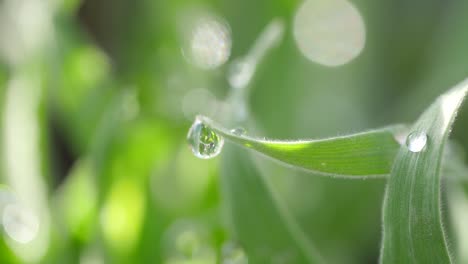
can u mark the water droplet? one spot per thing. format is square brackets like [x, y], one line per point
[239, 131]
[416, 141]
[204, 142]
[232, 253]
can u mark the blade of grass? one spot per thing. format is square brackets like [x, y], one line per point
[359, 155]
[258, 218]
[458, 198]
[412, 221]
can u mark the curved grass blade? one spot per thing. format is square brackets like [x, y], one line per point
[412, 221]
[358, 155]
[458, 197]
[258, 218]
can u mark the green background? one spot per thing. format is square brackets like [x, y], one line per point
[120, 183]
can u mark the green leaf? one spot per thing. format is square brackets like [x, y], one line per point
[412, 221]
[458, 209]
[364, 154]
[258, 218]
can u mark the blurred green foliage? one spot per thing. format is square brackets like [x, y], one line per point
[116, 183]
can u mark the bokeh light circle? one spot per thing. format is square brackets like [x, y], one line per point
[329, 32]
[209, 42]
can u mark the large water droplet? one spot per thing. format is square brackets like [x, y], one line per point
[239, 131]
[416, 141]
[232, 253]
[204, 142]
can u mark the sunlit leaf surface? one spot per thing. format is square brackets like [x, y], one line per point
[359, 155]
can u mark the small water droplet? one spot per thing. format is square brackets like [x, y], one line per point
[232, 253]
[416, 141]
[204, 142]
[239, 131]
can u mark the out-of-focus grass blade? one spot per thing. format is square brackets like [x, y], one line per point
[76, 201]
[358, 155]
[458, 198]
[412, 221]
[258, 218]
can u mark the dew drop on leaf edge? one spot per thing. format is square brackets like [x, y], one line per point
[416, 141]
[204, 142]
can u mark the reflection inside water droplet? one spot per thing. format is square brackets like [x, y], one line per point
[239, 131]
[416, 141]
[232, 253]
[204, 142]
